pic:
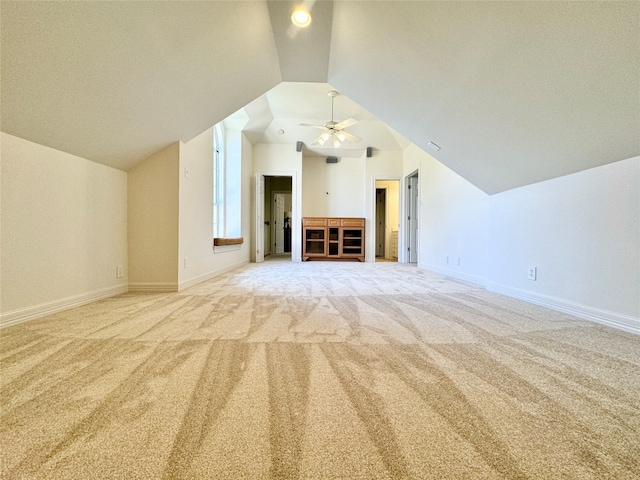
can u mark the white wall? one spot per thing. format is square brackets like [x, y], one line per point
[453, 220]
[276, 158]
[247, 194]
[63, 229]
[196, 210]
[333, 189]
[153, 187]
[582, 232]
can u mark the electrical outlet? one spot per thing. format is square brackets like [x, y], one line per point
[447, 261]
[119, 271]
[458, 261]
[186, 262]
[532, 272]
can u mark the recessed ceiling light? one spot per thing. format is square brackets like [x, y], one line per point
[433, 146]
[281, 132]
[301, 17]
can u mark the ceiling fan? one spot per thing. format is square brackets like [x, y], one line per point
[334, 130]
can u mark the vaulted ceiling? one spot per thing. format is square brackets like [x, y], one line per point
[513, 92]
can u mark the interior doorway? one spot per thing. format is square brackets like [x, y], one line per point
[277, 209]
[386, 223]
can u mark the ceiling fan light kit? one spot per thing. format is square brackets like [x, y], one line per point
[334, 130]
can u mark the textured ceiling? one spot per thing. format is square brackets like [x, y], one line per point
[513, 92]
[114, 82]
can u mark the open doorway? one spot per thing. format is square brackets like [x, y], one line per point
[387, 213]
[277, 202]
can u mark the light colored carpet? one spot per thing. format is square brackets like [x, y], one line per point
[319, 370]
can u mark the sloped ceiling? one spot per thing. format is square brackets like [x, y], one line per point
[513, 92]
[114, 82]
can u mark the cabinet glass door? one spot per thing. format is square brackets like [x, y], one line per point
[314, 241]
[352, 242]
[334, 242]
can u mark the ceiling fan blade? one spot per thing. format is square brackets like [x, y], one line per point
[346, 123]
[312, 126]
[322, 138]
[349, 136]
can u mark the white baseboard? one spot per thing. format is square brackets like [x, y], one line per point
[475, 279]
[42, 310]
[206, 276]
[623, 322]
[153, 287]
[612, 319]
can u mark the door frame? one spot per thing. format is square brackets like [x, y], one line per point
[370, 232]
[296, 212]
[258, 216]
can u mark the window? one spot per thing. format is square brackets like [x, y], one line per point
[227, 191]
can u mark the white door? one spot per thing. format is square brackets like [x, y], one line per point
[412, 220]
[259, 218]
[278, 221]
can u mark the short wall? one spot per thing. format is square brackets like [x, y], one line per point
[153, 221]
[63, 228]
